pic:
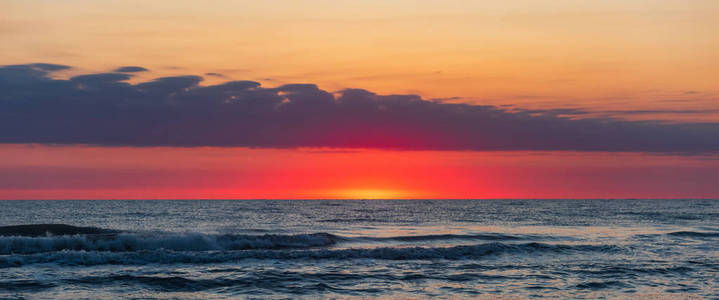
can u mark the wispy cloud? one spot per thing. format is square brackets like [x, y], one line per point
[130, 69]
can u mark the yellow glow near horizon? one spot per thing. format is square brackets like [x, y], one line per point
[374, 194]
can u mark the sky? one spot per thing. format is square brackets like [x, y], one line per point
[359, 99]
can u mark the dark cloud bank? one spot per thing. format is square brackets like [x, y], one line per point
[102, 109]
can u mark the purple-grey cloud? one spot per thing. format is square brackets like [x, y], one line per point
[213, 74]
[130, 69]
[103, 109]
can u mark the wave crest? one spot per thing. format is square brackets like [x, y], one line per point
[127, 242]
[388, 253]
[694, 234]
[34, 230]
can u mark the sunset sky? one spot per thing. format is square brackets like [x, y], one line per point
[359, 99]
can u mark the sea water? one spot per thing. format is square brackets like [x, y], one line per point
[191, 249]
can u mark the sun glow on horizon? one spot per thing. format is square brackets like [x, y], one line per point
[90, 172]
[372, 193]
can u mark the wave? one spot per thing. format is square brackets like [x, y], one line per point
[127, 242]
[34, 230]
[438, 237]
[124, 242]
[694, 234]
[598, 285]
[165, 256]
[42, 238]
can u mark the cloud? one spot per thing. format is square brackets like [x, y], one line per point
[103, 109]
[130, 69]
[213, 74]
[660, 111]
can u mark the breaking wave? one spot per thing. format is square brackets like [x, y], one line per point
[163, 256]
[30, 244]
[30, 239]
[127, 242]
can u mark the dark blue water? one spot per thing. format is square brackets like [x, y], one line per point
[363, 249]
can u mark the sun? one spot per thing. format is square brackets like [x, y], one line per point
[371, 194]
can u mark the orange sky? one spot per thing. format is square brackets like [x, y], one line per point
[603, 55]
[653, 57]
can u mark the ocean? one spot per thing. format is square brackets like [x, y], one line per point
[395, 249]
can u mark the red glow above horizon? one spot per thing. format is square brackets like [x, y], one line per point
[85, 172]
